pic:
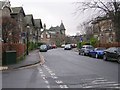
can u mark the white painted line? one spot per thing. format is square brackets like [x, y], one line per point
[54, 77]
[58, 81]
[42, 75]
[41, 72]
[104, 83]
[98, 81]
[63, 86]
[44, 78]
[100, 85]
[46, 82]
[52, 74]
[48, 86]
[93, 79]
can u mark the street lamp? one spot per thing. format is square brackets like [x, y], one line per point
[28, 27]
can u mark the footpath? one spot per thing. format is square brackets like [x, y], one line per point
[33, 58]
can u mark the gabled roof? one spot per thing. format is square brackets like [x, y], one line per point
[57, 28]
[38, 23]
[29, 20]
[4, 4]
[17, 10]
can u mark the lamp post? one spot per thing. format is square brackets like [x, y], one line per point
[28, 27]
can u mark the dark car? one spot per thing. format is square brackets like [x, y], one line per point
[85, 49]
[43, 48]
[112, 53]
[49, 46]
[68, 47]
[97, 52]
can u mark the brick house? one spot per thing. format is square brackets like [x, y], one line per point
[103, 30]
[53, 35]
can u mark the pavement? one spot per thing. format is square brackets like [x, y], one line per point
[33, 58]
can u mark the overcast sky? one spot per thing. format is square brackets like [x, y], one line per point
[51, 12]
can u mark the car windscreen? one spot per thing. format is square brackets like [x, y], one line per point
[89, 48]
[43, 46]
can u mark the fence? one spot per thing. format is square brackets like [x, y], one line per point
[18, 47]
[107, 45]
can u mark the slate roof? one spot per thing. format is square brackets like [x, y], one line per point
[38, 23]
[17, 10]
[29, 20]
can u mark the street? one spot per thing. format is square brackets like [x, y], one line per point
[65, 69]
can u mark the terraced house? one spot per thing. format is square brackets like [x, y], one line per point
[17, 30]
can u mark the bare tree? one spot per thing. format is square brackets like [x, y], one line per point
[10, 32]
[109, 8]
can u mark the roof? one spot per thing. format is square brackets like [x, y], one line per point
[62, 26]
[29, 19]
[4, 4]
[38, 23]
[17, 10]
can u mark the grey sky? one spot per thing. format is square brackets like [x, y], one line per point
[52, 12]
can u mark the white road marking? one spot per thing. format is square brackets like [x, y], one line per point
[63, 86]
[44, 78]
[99, 81]
[46, 82]
[48, 86]
[52, 74]
[42, 75]
[41, 72]
[58, 81]
[54, 77]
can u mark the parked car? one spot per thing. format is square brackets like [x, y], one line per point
[112, 53]
[63, 45]
[97, 52]
[85, 49]
[54, 46]
[43, 48]
[49, 46]
[68, 47]
[73, 45]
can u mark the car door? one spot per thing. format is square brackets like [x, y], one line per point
[108, 53]
[113, 53]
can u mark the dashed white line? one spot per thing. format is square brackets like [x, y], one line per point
[46, 82]
[63, 86]
[58, 81]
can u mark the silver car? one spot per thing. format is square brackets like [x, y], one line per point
[85, 49]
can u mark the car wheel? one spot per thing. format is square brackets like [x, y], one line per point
[118, 60]
[96, 55]
[104, 57]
